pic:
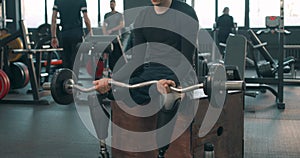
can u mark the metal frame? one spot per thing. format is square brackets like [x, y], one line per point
[34, 71]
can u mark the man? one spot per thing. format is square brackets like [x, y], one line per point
[72, 29]
[113, 21]
[225, 25]
[158, 33]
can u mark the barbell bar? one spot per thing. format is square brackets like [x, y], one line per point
[69, 85]
[64, 82]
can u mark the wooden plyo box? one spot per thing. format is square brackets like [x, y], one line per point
[226, 135]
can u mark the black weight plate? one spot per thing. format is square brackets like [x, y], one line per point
[58, 92]
[44, 30]
[26, 72]
[17, 76]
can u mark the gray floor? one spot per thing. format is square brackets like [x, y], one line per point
[56, 131]
[269, 132]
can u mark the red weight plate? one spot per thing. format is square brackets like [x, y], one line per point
[98, 72]
[4, 84]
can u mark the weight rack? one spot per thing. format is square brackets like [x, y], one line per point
[34, 71]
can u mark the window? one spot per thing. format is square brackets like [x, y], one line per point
[236, 10]
[189, 2]
[259, 9]
[205, 10]
[34, 16]
[92, 7]
[50, 4]
[291, 13]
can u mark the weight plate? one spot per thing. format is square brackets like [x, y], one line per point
[215, 88]
[4, 84]
[44, 30]
[215, 85]
[58, 91]
[26, 72]
[15, 44]
[19, 75]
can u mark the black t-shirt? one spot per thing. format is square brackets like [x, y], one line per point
[225, 25]
[69, 12]
[225, 21]
[112, 20]
[157, 36]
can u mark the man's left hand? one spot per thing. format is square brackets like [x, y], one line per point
[163, 86]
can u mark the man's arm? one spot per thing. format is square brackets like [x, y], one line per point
[87, 23]
[189, 43]
[104, 29]
[118, 27]
[54, 41]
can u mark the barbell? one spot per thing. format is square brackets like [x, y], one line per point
[64, 82]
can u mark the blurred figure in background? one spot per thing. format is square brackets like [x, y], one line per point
[72, 29]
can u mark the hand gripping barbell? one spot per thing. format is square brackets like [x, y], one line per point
[64, 82]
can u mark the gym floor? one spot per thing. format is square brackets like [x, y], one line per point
[57, 131]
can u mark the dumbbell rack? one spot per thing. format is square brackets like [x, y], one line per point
[34, 71]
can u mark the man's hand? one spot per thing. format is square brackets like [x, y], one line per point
[109, 32]
[163, 86]
[54, 42]
[102, 85]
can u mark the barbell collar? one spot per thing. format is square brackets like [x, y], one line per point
[46, 86]
[234, 85]
[68, 88]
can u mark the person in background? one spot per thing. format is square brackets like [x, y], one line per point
[72, 28]
[113, 21]
[225, 26]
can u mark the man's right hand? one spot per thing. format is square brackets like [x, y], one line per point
[102, 85]
[54, 42]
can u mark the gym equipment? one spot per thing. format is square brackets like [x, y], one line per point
[106, 47]
[60, 90]
[15, 44]
[236, 48]
[209, 150]
[226, 134]
[4, 84]
[99, 68]
[3, 19]
[19, 75]
[269, 67]
[44, 30]
[33, 68]
[64, 81]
